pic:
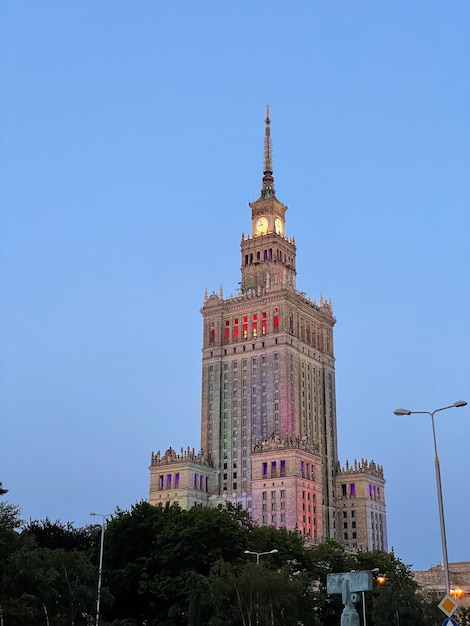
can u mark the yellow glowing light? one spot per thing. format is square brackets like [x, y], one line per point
[457, 593]
[381, 580]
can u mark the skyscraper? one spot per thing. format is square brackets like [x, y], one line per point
[268, 410]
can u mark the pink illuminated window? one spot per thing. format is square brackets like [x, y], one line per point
[276, 320]
[227, 331]
[212, 334]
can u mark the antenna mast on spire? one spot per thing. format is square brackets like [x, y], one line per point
[267, 190]
[267, 145]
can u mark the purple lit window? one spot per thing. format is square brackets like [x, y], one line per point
[283, 468]
[177, 479]
[195, 481]
[265, 469]
[160, 481]
[273, 468]
[168, 481]
[352, 489]
[371, 491]
[302, 468]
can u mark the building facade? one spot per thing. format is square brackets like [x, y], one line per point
[268, 409]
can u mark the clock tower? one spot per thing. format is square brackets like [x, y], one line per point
[268, 257]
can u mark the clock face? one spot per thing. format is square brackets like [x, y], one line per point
[261, 226]
[279, 226]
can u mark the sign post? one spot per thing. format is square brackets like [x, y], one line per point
[349, 585]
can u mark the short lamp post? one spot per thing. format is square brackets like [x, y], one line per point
[457, 405]
[100, 566]
[258, 554]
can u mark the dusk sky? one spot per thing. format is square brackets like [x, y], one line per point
[131, 141]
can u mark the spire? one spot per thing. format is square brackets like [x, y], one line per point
[267, 191]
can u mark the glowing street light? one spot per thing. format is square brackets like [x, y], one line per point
[457, 405]
[100, 566]
[258, 554]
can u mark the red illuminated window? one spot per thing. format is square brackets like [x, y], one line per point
[212, 334]
[235, 329]
[263, 323]
[276, 320]
[227, 331]
[245, 327]
[255, 325]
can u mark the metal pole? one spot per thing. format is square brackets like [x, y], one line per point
[100, 570]
[445, 561]
[100, 564]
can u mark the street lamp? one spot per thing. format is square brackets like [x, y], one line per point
[100, 566]
[374, 571]
[258, 554]
[457, 405]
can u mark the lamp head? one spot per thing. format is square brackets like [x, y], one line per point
[274, 551]
[460, 403]
[402, 412]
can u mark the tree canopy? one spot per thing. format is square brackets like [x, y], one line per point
[164, 566]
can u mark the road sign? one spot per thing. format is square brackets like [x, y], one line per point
[449, 622]
[448, 605]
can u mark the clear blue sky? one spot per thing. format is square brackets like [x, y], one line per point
[131, 140]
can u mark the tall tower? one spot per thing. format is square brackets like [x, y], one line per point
[268, 375]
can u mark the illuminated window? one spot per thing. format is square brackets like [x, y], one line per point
[263, 323]
[245, 327]
[235, 329]
[227, 331]
[276, 320]
[212, 334]
[255, 325]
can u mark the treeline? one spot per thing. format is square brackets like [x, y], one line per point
[165, 566]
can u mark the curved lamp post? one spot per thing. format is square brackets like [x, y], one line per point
[258, 554]
[100, 566]
[457, 405]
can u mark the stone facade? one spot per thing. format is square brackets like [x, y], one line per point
[268, 407]
[433, 579]
[185, 478]
[361, 513]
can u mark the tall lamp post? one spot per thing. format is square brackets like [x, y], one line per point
[457, 405]
[258, 554]
[100, 566]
